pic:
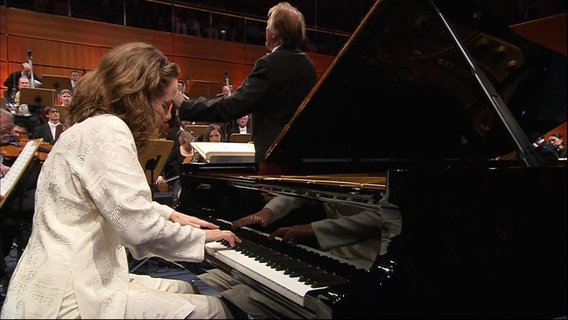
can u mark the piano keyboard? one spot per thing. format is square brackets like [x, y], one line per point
[287, 276]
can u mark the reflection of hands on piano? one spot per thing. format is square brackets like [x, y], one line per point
[262, 217]
[186, 220]
[294, 234]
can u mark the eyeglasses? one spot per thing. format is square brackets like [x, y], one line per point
[6, 128]
[20, 133]
[53, 111]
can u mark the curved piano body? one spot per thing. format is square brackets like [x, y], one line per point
[482, 233]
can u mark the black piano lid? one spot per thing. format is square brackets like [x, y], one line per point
[401, 91]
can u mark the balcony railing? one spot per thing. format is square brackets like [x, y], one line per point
[183, 18]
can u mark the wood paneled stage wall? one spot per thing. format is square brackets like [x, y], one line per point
[60, 44]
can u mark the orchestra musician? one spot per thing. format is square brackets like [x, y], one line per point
[183, 153]
[17, 210]
[80, 233]
[50, 130]
[274, 89]
[12, 81]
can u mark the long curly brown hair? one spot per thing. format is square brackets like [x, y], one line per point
[128, 82]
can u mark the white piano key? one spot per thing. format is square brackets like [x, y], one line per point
[281, 283]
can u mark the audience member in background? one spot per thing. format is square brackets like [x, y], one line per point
[274, 89]
[94, 203]
[208, 28]
[555, 139]
[183, 153]
[12, 81]
[50, 130]
[74, 78]
[193, 27]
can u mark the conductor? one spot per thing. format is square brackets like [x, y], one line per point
[274, 89]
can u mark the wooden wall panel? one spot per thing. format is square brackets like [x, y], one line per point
[78, 31]
[3, 50]
[549, 32]
[60, 44]
[3, 46]
[207, 60]
[48, 53]
[198, 47]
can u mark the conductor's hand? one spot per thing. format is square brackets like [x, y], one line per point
[178, 99]
[294, 234]
[227, 235]
[261, 217]
[160, 180]
[186, 220]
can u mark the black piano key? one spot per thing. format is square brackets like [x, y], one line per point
[331, 281]
[293, 261]
[297, 271]
[276, 261]
[310, 274]
[284, 264]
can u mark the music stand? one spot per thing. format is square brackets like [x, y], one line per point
[37, 96]
[56, 82]
[154, 158]
[240, 137]
[196, 129]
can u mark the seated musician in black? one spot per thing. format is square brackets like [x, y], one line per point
[48, 131]
[182, 152]
[18, 209]
[556, 142]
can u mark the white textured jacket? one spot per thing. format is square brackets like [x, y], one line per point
[92, 200]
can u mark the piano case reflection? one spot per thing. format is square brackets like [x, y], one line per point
[456, 100]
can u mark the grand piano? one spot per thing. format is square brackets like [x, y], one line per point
[438, 104]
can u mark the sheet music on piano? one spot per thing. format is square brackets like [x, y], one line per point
[225, 152]
[9, 181]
